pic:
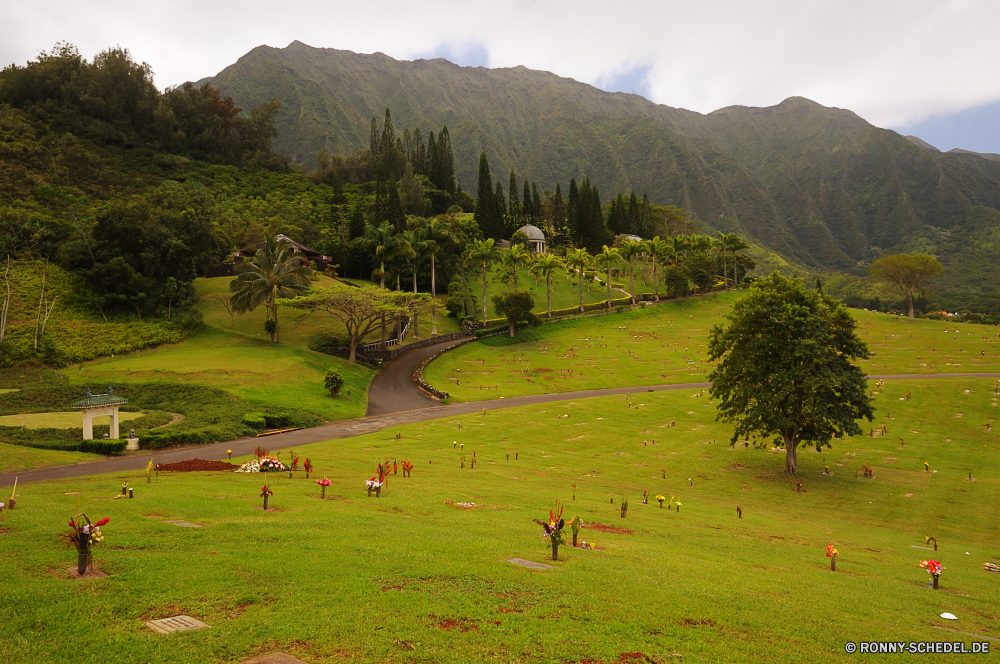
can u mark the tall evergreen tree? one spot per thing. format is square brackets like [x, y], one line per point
[527, 208]
[500, 206]
[573, 212]
[560, 232]
[394, 209]
[379, 210]
[419, 153]
[536, 203]
[515, 207]
[447, 159]
[373, 139]
[430, 161]
[632, 227]
[485, 207]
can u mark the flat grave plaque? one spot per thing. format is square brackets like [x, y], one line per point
[530, 564]
[183, 523]
[274, 658]
[175, 624]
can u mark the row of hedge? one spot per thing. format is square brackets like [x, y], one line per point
[65, 440]
[261, 421]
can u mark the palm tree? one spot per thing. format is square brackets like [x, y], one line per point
[484, 253]
[724, 239]
[658, 249]
[438, 238]
[544, 265]
[418, 248]
[276, 273]
[700, 244]
[514, 258]
[734, 244]
[580, 260]
[631, 249]
[606, 260]
[380, 241]
[678, 245]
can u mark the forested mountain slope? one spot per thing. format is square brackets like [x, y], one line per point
[820, 185]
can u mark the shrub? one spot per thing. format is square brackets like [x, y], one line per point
[276, 420]
[103, 446]
[255, 420]
[333, 381]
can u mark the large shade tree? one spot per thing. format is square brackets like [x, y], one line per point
[907, 273]
[786, 368]
[359, 309]
[275, 273]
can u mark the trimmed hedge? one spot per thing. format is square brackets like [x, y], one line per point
[152, 440]
[103, 446]
[255, 420]
[276, 420]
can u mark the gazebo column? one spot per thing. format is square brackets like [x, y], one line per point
[113, 417]
[88, 425]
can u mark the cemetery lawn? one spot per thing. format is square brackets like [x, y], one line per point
[255, 371]
[410, 578]
[668, 343]
[19, 457]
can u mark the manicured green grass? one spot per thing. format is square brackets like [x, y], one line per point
[17, 457]
[564, 293]
[256, 371]
[667, 343]
[365, 579]
[58, 420]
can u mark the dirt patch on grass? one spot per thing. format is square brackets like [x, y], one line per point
[456, 624]
[602, 528]
[196, 465]
[697, 622]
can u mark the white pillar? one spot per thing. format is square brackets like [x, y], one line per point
[113, 421]
[88, 425]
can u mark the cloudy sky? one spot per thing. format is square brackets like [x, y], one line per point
[927, 67]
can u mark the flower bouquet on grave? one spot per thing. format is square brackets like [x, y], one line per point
[307, 466]
[264, 493]
[832, 554]
[373, 484]
[553, 529]
[323, 483]
[407, 469]
[83, 536]
[934, 568]
[295, 464]
[661, 499]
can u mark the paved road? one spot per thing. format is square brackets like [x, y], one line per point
[357, 427]
[392, 390]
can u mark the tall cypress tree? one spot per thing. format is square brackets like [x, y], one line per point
[447, 167]
[485, 207]
[373, 139]
[515, 207]
[645, 229]
[394, 209]
[528, 210]
[419, 153]
[632, 226]
[500, 208]
[379, 209]
[536, 202]
[430, 165]
[573, 212]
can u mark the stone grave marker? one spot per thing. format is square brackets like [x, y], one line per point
[182, 523]
[274, 658]
[528, 563]
[175, 624]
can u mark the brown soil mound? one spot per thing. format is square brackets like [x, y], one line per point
[600, 527]
[197, 464]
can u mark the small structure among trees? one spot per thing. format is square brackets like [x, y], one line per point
[97, 405]
[536, 238]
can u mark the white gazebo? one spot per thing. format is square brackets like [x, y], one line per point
[96, 405]
[536, 238]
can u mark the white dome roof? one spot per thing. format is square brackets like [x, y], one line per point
[533, 232]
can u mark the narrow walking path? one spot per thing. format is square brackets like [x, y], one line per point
[357, 427]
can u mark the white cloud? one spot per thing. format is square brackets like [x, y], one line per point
[894, 63]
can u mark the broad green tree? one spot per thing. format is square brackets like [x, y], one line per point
[907, 273]
[631, 249]
[785, 368]
[379, 241]
[658, 249]
[275, 273]
[516, 306]
[579, 260]
[482, 253]
[606, 260]
[438, 238]
[544, 265]
[359, 309]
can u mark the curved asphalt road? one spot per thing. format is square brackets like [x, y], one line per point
[391, 390]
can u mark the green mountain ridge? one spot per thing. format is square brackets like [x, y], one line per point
[821, 186]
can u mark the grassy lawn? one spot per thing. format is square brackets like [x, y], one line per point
[667, 343]
[256, 371]
[408, 577]
[17, 457]
[59, 420]
[564, 293]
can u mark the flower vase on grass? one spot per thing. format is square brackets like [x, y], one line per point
[553, 529]
[934, 568]
[323, 483]
[661, 499]
[832, 554]
[83, 536]
[307, 466]
[575, 524]
[264, 493]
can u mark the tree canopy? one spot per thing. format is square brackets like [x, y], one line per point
[785, 368]
[907, 273]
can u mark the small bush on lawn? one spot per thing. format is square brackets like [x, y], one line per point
[334, 381]
[255, 420]
[103, 446]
